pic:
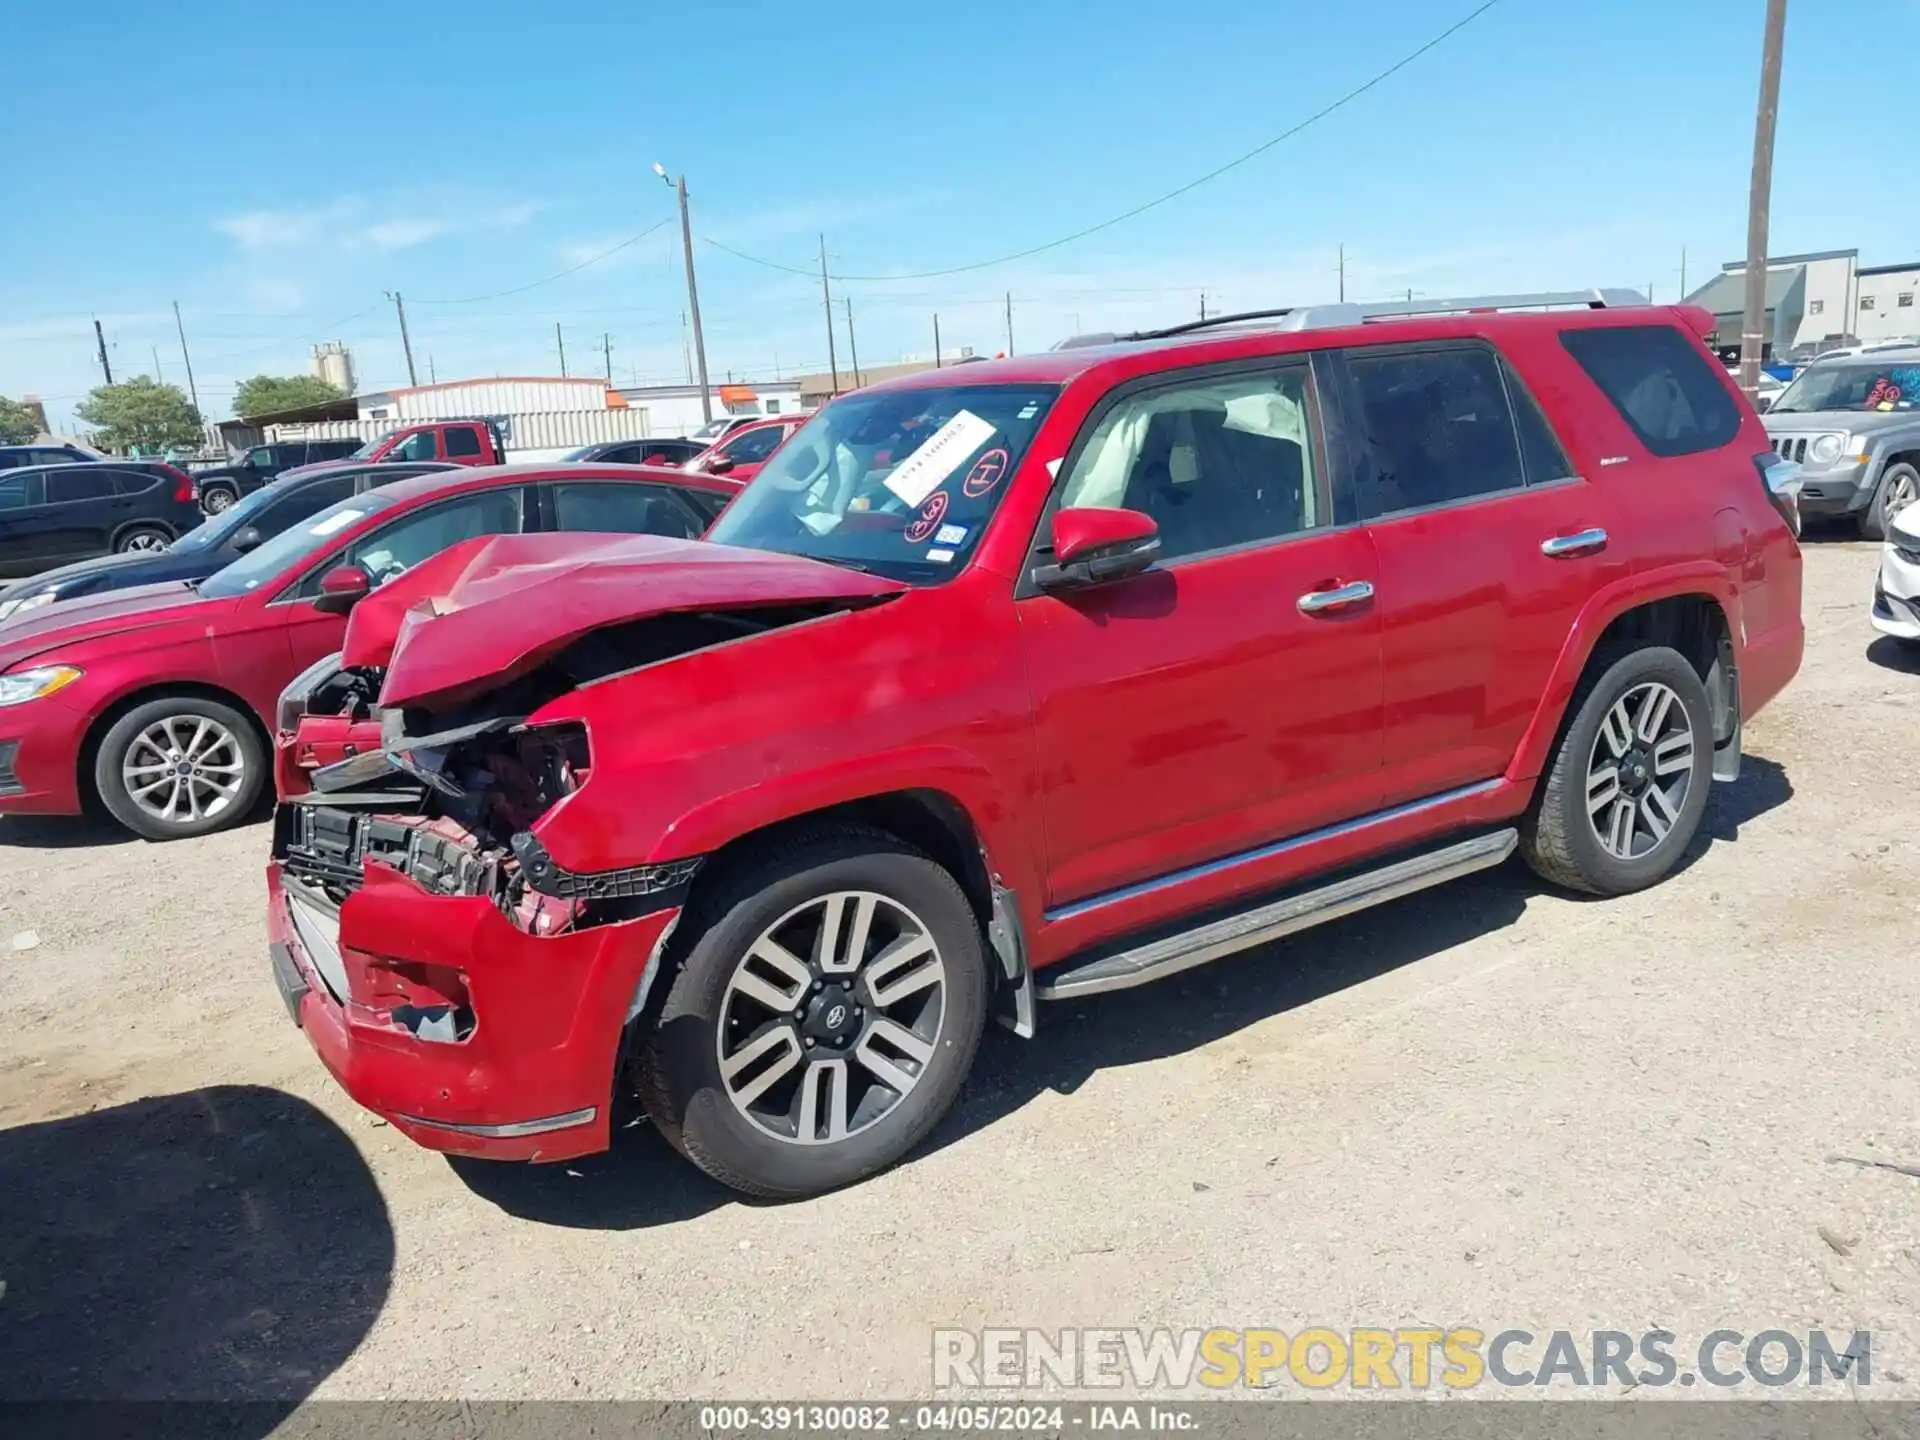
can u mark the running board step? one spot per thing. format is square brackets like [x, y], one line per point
[1168, 956]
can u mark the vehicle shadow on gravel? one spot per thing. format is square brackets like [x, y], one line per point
[62, 832]
[220, 1244]
[641, 1182]
[1184, 1012]
[74, 832]
[1889, 654]
[637, 1183]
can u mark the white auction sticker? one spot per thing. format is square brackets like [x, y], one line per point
[920, 474]
[337, 521]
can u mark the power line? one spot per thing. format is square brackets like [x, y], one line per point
[570, 270]
[1214, 174]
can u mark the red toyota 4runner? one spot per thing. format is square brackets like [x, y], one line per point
[1024, 680]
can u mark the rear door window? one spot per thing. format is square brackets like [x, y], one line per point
[134, 482]
[1662, 386]
[1540, 449]
[305, 500]
[462, 440]
[1435, 427]
[64, 485]
[605, 507]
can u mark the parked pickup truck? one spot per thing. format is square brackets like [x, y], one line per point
[221, 485]
[1026, 681]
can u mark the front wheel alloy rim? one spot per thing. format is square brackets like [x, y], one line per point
[1640, 771]
[217, 500]
[183, 769]
[1902, 491]
[145, 540]
[832, 1017]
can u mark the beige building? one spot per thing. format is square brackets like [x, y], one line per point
[1817, 301]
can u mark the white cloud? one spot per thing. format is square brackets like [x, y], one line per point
[353, 223]
[399, 234]
[275, 296]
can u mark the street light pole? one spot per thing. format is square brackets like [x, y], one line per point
[1759, 197]
[693, 289]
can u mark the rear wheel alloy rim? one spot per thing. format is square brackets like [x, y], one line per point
[183, 769]
[832, 1017]
[218, 500]
[145, 540]
[1639, 771]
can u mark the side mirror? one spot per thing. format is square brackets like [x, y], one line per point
[1092, 547]
[248, 537]
[719, 465]
[341, 588]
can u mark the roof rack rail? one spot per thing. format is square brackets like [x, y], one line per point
[1319, 317]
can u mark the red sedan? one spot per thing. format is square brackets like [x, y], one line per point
[740, 456]
[157, 700]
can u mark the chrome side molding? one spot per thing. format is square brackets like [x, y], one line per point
[1173, 953]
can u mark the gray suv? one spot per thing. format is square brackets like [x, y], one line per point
[1853, 423]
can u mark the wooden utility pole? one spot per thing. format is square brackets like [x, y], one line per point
[606, 349]
[693, 299]
[1009, 322]
[406, 342]
[936, 340]
[826, 298]
[1343, 274]
[1759, 198]
[853, 346]
[100, 339]
[560, 341]
[185, 359]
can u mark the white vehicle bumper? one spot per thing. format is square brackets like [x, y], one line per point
[1896, 594]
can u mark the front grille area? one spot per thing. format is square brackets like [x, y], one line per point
[1790, 447]
[327, 846]
[9, 782]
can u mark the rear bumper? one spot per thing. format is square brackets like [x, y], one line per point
[1770, 662]
[533, 1079]
[40, 758]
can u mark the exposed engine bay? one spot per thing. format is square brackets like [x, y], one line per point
[449, 798]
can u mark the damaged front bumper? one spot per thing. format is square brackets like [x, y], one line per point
[466, 1032]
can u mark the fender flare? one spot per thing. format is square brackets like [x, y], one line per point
[1606, 605]
[958, 775]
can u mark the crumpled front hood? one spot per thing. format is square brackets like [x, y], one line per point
[488, 611]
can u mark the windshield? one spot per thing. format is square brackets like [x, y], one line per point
[714, 429]
[1857, 386]
[367, 449]
[214, 530]
[900, 482]
[292, 547]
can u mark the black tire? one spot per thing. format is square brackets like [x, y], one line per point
[678, 1073]
[111, 785]
[142, 537]
[1558, 837]
[1901, 481]
[215, 498]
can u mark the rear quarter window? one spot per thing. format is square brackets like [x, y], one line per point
[1662, 386]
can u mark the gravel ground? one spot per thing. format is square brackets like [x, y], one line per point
[1489, 1105]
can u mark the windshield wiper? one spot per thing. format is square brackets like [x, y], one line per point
[843, 564]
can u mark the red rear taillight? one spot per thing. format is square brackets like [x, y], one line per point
[184, 490]
[1781, 480]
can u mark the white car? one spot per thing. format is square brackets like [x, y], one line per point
[1896, 594]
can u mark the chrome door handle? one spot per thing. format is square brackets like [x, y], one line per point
[1581, 542]
[1316, 602]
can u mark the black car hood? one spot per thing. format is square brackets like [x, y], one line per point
[117, 572]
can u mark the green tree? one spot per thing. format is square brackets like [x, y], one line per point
[265, 394]
[18, 424]
[143, 413]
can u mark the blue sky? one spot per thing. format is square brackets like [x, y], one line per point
[275, 169]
